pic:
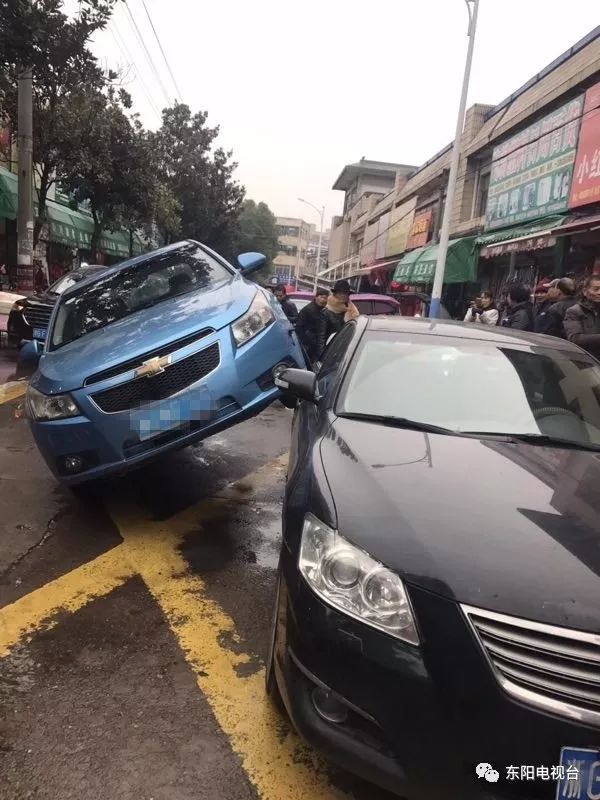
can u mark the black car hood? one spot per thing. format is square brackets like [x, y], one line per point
[45, 299]
[512, 528]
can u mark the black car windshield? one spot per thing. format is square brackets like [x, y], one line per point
[475, 386]
[70, 279]
[187, 269]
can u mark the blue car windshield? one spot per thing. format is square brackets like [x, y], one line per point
[187, 269]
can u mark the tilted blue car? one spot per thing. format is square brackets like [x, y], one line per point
[159, 352]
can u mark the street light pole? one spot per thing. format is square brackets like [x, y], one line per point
[438, 282]
[321, 213]
[25, 181]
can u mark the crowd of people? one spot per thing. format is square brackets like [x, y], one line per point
[560, 310]
[325, 315]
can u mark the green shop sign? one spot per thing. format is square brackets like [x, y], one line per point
[531, 172]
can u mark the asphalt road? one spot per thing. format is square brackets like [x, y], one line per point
[133, 630]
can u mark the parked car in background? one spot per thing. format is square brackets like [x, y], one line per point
[368, 304]
[29, 316]
[438, 601]
[154, 354]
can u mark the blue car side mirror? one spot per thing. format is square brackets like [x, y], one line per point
[250, 262]
[31, 352]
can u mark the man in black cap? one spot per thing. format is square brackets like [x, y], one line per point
[562, 292]
[312, 324]
[339, 309]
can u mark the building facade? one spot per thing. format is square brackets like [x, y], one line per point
[294, 237]
[527, 204]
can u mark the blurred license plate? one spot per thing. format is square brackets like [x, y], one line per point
[40, 333]
[582, 774]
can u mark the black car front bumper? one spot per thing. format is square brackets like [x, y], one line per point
[419, 719]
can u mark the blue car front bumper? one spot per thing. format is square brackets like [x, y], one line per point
[106, 441]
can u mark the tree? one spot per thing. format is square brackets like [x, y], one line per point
[114, 170]
[39, 34]
[199, 177]
[257, 231]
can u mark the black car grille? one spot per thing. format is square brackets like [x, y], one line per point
[37, 316]
[175, 378]
[132, 363]
[556, 669]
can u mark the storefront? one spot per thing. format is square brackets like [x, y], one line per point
[66, 236]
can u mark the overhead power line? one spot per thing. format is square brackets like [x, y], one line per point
[112, 26]
[162, 51]
[140, 39]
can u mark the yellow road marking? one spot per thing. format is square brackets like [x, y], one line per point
[274, 758]
[10, 391]
[68, 593]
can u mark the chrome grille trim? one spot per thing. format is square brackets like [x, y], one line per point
[37, 316]
[552, 668]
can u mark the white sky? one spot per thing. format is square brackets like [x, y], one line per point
[301, 89]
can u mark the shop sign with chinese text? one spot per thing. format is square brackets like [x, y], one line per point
[420, 230]
[531, 172]
[401, 221]
[586, 178]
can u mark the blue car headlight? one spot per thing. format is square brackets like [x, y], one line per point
[350, 580]
[258, 317]
[47, 407]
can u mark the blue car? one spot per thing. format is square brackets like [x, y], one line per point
[157, 353]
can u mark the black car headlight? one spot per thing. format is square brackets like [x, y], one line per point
[258, 317]
[47, 407]
[19, 305]
[353, 582]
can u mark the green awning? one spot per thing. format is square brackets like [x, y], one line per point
[418, 266]
[8, 194]
[540, 227]
[66, 226]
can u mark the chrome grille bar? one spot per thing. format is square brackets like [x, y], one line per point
[552, 668]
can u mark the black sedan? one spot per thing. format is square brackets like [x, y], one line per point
[437, 622]
[29, 316]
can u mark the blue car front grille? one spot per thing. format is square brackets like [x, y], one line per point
[175, 378]
[132, 363]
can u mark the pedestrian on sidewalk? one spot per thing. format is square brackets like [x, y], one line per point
[289, 309]
[561, 296]
[339, 309]
[312, 325]
[582, 319]
[519, 313]
[483, 310]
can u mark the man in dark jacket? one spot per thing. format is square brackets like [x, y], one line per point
[550, 320]
[311, 325]
[582, 320]
[519, 314]
[288, 307]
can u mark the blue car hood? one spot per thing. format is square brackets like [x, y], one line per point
[66, 369]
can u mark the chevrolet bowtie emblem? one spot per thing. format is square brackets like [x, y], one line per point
[154, 366]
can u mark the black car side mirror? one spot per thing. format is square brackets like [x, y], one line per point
[299, 383]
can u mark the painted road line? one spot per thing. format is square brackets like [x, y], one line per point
[11, 391]
[274, 758]
[66, 594]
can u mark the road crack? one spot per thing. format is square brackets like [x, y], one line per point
[48, 531]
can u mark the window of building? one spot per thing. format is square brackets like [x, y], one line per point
[481, 195]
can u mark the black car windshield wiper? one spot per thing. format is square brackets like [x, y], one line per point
[536, 438]
[400, 422]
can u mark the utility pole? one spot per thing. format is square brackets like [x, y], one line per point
[438, 282]
[25, 182]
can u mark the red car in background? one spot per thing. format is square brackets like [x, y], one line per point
[368, 304]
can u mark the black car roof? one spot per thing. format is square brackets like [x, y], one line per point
[444, 327]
